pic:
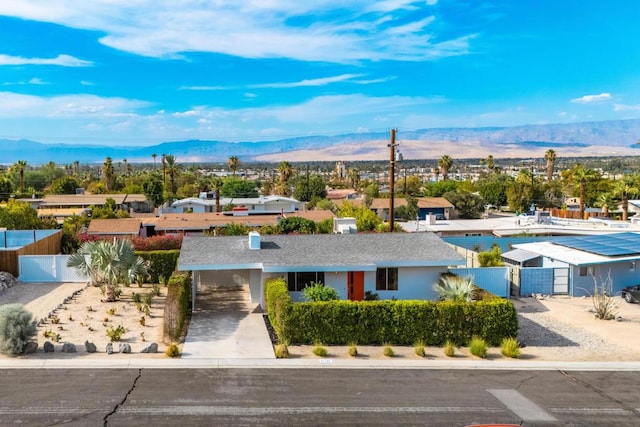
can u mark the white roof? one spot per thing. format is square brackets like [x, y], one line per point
[569, 255]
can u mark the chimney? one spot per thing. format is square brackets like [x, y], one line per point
[254, 240]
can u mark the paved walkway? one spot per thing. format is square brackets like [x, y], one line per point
[226, 325]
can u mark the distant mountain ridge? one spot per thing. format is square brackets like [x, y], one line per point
[602, 138]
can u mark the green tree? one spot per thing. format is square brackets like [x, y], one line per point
[309, 189]
[366, 219]
[236, 187]
[286, 171]
[444, 163]
[439, 188]
[296, 224]
[17, 215]
[468, 205]
[108, 175]
[315, 292]
[153, 189]
[108, 265]
[20, 166]
[172, 169]
[491, 258]
[622, 189]
[234, 229]
[6, 189]
[493, 189]
[64, 185]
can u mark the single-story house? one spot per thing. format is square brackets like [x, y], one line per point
[128, 202]
[120, 228]
[254, 206]
[426, 206]
[190, 223]
[572, 265]
[393, 265]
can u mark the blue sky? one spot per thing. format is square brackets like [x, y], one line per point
[138, 72]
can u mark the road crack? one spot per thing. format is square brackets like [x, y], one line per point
[124, 399]
[600, 392]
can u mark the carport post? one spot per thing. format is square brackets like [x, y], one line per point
[194, 286]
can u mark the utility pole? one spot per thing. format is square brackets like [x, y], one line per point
[392, 172]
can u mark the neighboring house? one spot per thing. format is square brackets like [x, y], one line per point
[254, 206]
[197, 223]
[59, 215]
[127, 202]
[426, 206]
[121, 228]
[393, 265]
[569, 265]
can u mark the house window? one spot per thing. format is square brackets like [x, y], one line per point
[387, 279]
[298, 281]
[586, 271]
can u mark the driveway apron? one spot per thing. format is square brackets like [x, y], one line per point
[226, 325]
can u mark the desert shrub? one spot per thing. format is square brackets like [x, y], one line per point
[148, 298]
[510, 347]
[155, 290]
[176, 306]
[387, 350]
[418, 348]
[320, 350]
[115, 334]
[603, 303]
[353, 350]
[172, 350]
[136, 297]
[16, 328]
[281, 351]
[371, 296]
[319, 292]
[449, 349]
[451, 287]
[478, 347]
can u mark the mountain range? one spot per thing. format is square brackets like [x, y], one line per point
[604, 138]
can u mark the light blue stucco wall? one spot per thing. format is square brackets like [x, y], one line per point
[620, 272]
[413, 283]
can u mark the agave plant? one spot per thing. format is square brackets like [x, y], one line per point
[108, 264]
[451, 287]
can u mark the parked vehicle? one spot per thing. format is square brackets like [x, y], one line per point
[631, 293]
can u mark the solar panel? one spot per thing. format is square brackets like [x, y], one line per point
[617, 244]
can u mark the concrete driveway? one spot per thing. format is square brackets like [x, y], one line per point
[225, 325]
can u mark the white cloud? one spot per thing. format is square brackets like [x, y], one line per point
[308, 82]
[357, 30]
[624, 107]
[15, 105]
[589, 99]
[60, 60]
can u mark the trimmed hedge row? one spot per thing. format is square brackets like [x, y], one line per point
[395, 322]
[162, 264]
[177, 306]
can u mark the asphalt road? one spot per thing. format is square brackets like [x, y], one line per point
[301, 397]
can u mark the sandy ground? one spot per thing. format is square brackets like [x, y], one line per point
[83, 317]
[565, 329]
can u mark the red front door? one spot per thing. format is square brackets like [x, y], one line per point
[355, 285]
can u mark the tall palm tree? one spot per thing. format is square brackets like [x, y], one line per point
[286, 171]
[108, 174]
[445, 162]
[623, 188]
[154, 155]
[491, 164]
[172, 170]
[216, 185]
[164, 170]
[550, 158]
[583, 176]
[234, 164]
[20, 167]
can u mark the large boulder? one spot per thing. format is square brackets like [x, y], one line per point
[124, 347]
[48, 347]
[6, 280]
[90, 347]
[68, 347]
[151, 348]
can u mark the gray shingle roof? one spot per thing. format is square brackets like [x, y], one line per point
[319, 252]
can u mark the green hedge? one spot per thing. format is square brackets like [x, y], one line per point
[395, 322]
[176, 306]
[162, 264]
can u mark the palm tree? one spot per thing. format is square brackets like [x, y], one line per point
[234, 163]
[550, 158]
[583, 176]
[354, 178]
[445, 162]
[286, 172]
[164, 170]
[154, 155]
[623, 189]
[216, 185]
[20, 167]
[172, 170]
[108, 174]
[491, 164]
[108, 264]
